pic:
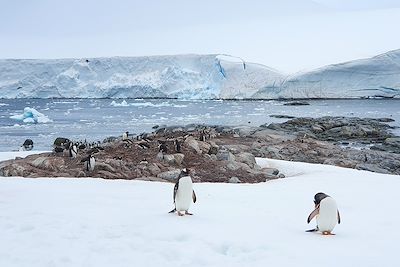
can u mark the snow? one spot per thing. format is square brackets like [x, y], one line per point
[378, 76]
[180, 76]
[96, 222]
[31, 115]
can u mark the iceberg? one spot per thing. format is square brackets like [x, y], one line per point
[122, 104]
[31, 115]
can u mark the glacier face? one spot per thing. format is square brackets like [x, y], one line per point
[195, 77]
[181, 76]
[378, 76]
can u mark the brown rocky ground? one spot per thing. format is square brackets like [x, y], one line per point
[227, 154]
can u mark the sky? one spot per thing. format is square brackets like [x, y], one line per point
[288, 35]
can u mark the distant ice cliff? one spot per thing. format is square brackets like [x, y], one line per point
[194, 77]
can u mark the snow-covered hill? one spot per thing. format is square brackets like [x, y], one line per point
[96, 222]
[195, 77]
[378, 76]
[182, 76]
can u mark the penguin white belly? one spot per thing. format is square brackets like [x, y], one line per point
[328, 215]
[183, 198]
[92, 163]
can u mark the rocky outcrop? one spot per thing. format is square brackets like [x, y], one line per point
[227, 154]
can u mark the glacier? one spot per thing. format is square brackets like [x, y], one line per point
[180, 76]
[374, 77]
[214, 76]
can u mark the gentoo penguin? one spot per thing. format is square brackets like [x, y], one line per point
[162, 147]
[177, 144]
[326, 213]
[125, 136]
[183, 194]
[90, 162]
[73, 150]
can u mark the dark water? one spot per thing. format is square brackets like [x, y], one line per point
[95, 119]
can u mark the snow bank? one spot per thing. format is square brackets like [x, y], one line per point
[31, 115]
[96, 222]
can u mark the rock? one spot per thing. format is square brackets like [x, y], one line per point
[316, 129]
[170, 175]
[282, 116]
[297, 103]
[169, 159]
[48, 163]
[246, 158]
[371, 167]
[193, 144]
[153, 169]
[234, 180]
[204, 146]
[270, 171]
[234, 165]
[61, 141]
[281, 175]
[110, 139]
[179, 158]
[225, 155]
[105, 167]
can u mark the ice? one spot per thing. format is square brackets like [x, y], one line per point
[97, 222]
[195, 77]
[31, 115]
[122, 104]
[181, 76]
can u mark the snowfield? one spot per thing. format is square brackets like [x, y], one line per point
[97, 222]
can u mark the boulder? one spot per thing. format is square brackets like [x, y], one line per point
[246, 158]
[234, 180]
[225, 155]
[170, 175]
[193, 144]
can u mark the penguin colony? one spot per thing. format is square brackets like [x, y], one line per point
[325, 208]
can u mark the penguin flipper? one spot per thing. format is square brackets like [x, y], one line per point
[176, 189]
[313, 214]
[172, 211]
[338, 217]
[312, 230]
[194, 197]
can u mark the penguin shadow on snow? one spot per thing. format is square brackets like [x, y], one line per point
[183, 194]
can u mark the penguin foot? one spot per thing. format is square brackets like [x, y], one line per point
[327, 233]
[181, 214]
[188, 213]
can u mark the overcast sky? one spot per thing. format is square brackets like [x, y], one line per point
[289, 35]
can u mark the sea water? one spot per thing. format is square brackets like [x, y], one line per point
[96, 119]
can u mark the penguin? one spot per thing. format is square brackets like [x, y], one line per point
[73, 150]
[162, 147]
[177, 144]
[90, 162]
[326, 213]
[183, 194]
[125, 136]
